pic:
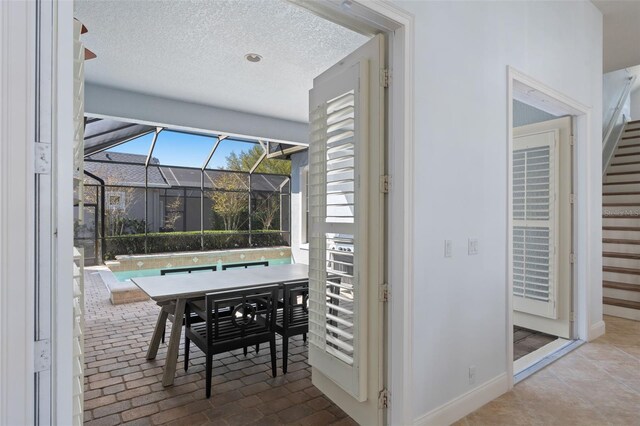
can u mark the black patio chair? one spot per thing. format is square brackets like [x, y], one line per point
[293, 318]
[252, 321]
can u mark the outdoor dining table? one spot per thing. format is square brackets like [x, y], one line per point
[179, 288]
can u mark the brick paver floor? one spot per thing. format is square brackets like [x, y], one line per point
[123, 387]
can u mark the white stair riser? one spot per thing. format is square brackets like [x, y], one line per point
[629, 187]
[621, 248]
[621, 278]
[617, 311]
[628, 149]
[618, 211]
[610, 198]
[618, 221]
[622, 149]
[633, 296]
[625, 235]
[621, 262]
[624, 158]
[622, 168]
[622, 178]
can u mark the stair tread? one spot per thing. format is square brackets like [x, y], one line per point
[621, 255]
[621, 228]
[630, 137]
[620, 241]
[635, 172]
[620, 204]
[628, 163]
[620, 216]
[621, 270]
[631, 145]
[622, 193]
[627, 154]
[633, 122]
[631, 182]
[621, 286]
[620, 302]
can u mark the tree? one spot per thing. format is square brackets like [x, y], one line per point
[246, 159]
[173, 212]
[230, 200]
[267, 209]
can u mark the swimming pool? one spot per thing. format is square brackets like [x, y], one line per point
[127, 275]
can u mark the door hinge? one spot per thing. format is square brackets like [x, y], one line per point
[384, 184]
[42, 165]
[42, 355]
[572, 198]
[383, 398]
[572, 316]
[383, 295]
[572, 258]
[385, 77]
[572, 140]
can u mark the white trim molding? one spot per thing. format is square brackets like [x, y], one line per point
[466, 403]
[17, 118]
[597, 330]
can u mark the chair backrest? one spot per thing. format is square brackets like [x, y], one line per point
[245, 265]
[188, 269]
[295, 297]
[241, 312]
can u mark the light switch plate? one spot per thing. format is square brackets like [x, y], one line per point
[473, 246]
[448, 248]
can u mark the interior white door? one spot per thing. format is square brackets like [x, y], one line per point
[346, 232]
[542, 227]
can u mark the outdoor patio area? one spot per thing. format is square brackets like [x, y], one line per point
[123, 387]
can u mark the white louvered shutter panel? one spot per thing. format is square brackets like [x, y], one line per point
[338, 238]
[535, 215]
[78, 266]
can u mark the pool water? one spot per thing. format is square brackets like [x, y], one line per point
[126, 275]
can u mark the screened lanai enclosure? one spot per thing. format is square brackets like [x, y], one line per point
[150, 190]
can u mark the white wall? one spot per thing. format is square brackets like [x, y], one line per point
[299, 251]
[118, 103]
[635, 105]
[462, 53]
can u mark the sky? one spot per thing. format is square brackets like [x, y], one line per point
[181, 149]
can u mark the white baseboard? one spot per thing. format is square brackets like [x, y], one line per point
[596, 330]
[466, 403]
[619, 311]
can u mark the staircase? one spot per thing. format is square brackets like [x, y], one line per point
[621, 228]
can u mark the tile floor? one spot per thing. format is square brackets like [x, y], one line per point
[596, 384]
[122, 387]
[526, 341]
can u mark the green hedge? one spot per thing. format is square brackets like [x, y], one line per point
[174, 242]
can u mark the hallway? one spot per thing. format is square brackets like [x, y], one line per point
[597, 384]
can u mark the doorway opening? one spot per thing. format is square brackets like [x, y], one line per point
[545, 130]
[372, 397]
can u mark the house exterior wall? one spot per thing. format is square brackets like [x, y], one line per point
[299, 250]
[462, 51]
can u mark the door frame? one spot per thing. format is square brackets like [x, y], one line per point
[549, 100]
[369, 17]
[364, 16]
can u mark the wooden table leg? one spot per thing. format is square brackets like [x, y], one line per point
[157, 333]
[174, 344]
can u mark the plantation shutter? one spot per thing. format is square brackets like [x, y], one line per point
[338, 241]
[535, 215]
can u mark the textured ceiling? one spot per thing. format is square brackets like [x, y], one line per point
[621, 28]
[194, 51]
